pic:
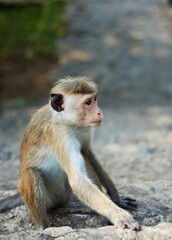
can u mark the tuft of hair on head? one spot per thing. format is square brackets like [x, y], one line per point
[75, 85]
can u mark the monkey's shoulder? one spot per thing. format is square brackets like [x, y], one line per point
[38, 126]
[41, 117]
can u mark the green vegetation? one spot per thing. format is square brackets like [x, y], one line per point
[29, 31]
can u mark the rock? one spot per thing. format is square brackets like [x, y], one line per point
[76, 221]
[58, 232]
[162, 231]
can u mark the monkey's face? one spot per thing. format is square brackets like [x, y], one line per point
[79, 109]
[89, 114]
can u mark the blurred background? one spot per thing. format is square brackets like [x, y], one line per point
[126, 46]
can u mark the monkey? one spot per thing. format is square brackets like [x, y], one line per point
[56, 158]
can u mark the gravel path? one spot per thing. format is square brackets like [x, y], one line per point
[127, 47]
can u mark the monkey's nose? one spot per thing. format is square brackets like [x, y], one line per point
[99, 112]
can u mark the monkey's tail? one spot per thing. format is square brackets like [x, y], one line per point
[10, 203]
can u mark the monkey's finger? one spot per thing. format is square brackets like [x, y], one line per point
[128, 205]
[133, 225]
[128, 199]
[129, 208]
[134, 204]
[130, 224]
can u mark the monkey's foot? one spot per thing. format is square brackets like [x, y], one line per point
[128, 203]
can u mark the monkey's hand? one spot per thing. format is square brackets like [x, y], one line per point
[124, 220]
[128, 203]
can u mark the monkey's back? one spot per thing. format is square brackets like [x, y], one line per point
[36, 135]
[36, 153]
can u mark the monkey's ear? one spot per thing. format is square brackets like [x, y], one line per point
[57, 101]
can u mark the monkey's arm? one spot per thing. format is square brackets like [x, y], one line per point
[11, 202]
[124, 202]
[88, 192]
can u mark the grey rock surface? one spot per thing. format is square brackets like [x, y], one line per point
[127, 47]
[76, 221]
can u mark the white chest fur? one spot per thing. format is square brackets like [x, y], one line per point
[53, 174]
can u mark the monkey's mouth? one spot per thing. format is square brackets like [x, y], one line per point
[97, 122]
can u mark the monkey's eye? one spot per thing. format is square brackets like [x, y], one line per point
[88, 102]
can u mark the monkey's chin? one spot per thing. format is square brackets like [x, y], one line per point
[95, 124]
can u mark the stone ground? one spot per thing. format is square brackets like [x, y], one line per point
[127, 47]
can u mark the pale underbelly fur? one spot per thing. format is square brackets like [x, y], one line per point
[56, 185]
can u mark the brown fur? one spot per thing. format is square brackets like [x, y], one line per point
[77, 85]
[56, 158]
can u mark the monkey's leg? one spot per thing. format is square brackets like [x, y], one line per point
[10, 202]
[93, 175]
[123, 202]
[103, 176]
[32, 189]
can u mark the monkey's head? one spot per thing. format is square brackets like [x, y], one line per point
[75, 101]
